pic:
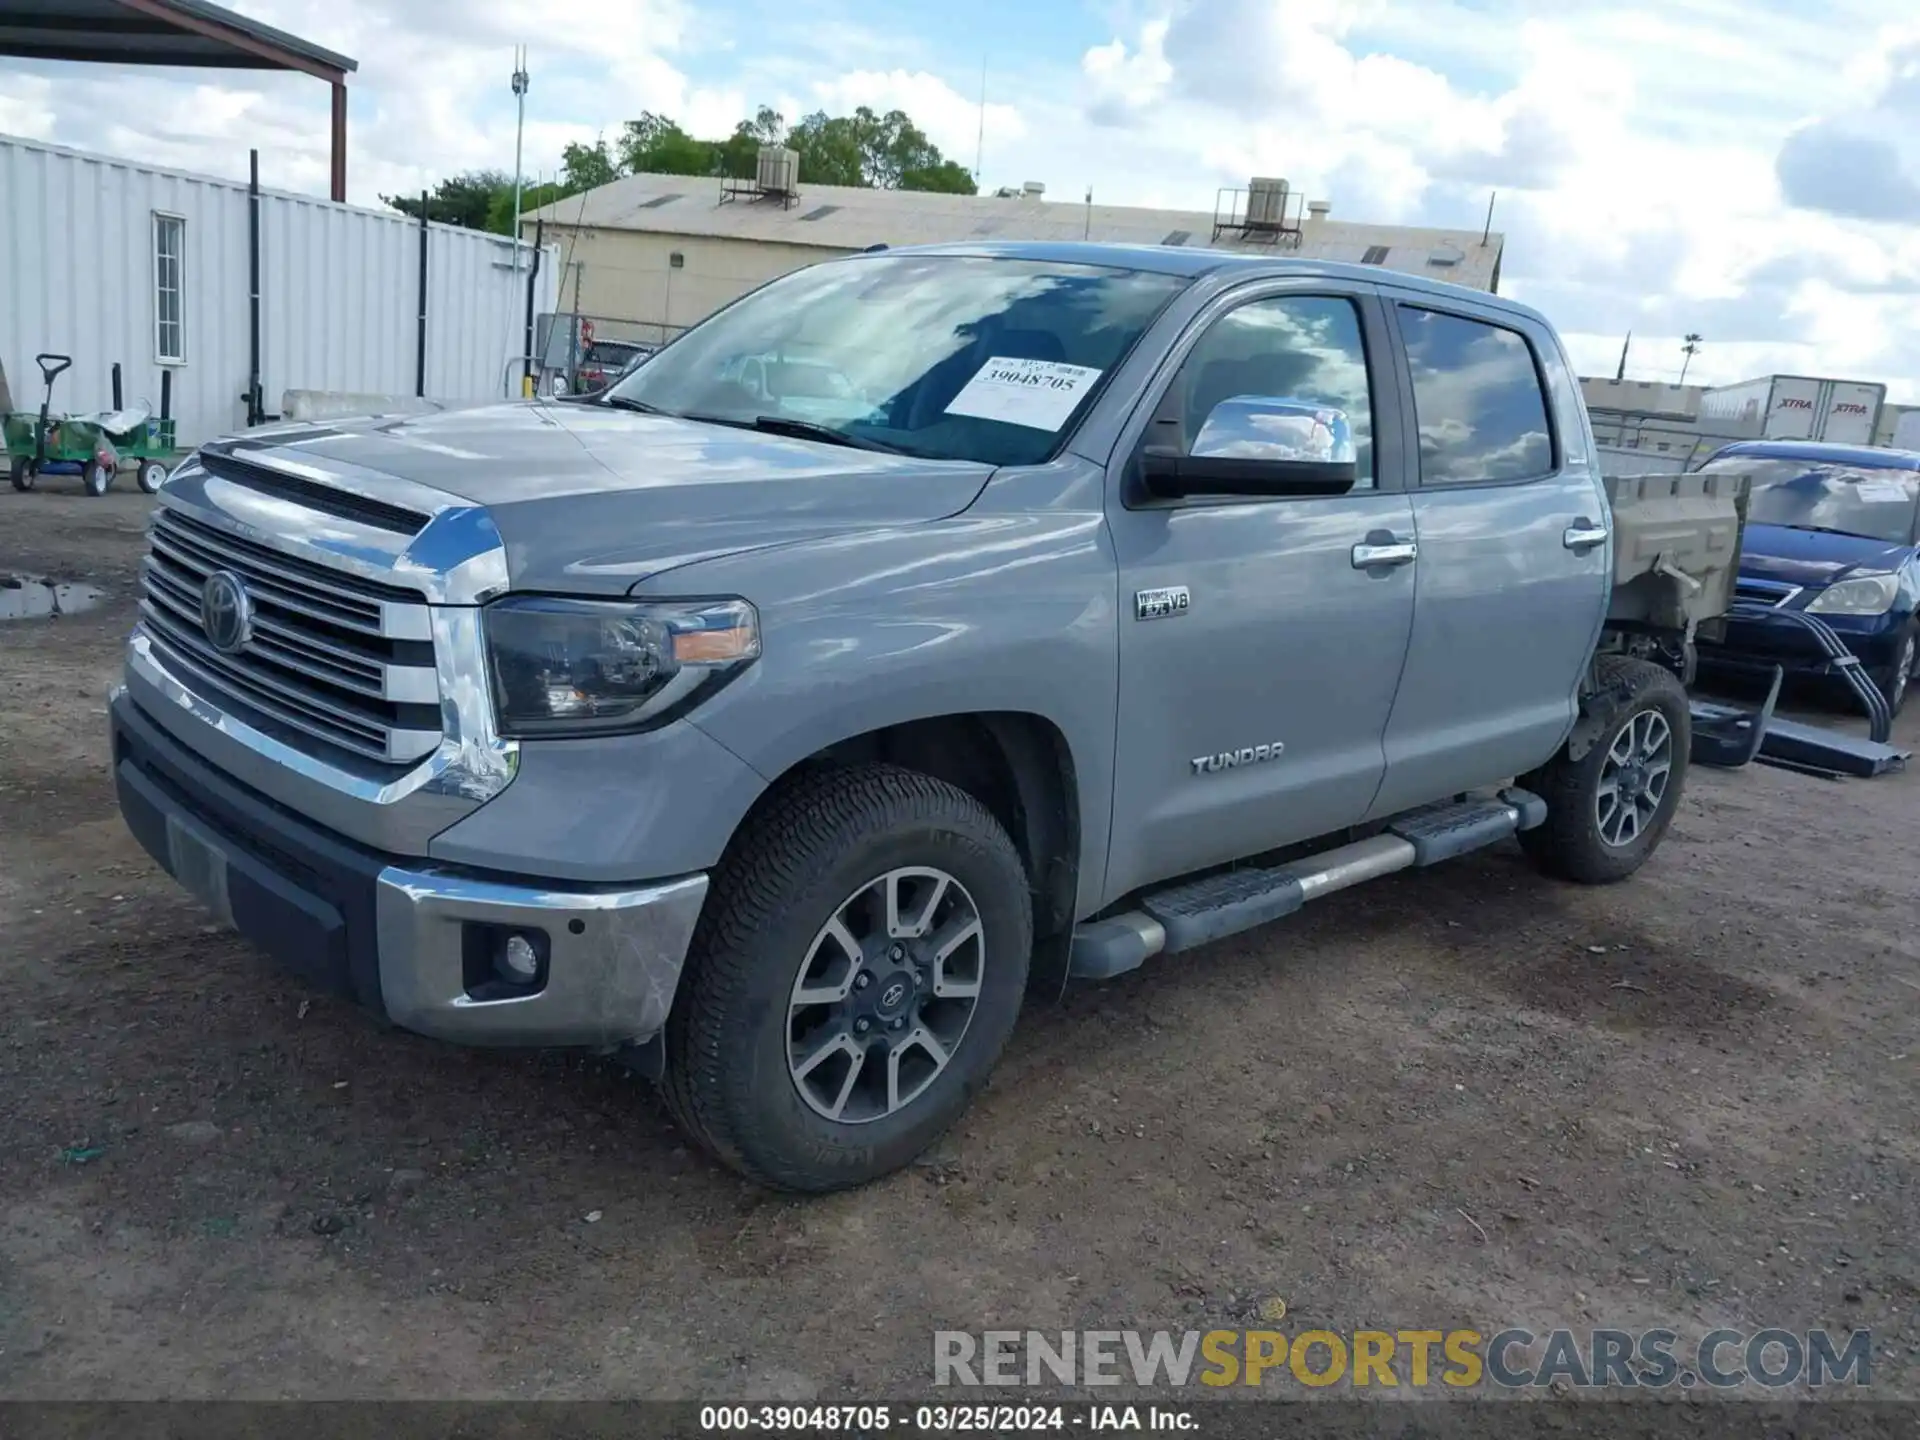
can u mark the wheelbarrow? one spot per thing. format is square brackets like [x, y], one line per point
[91, 446]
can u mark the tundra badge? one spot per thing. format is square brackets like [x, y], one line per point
[1159, 604]
[1233, 759]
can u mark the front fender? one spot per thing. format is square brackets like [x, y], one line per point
[1009, 611]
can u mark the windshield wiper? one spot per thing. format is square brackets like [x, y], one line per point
[622, 402]
[808, 430]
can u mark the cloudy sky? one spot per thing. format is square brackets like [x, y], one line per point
[1748, 169]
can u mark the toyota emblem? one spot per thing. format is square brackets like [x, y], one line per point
[893, 995]
[226, 612]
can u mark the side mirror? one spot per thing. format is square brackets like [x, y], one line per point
[1260, 446]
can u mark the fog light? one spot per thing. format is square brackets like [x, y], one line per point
[519, 960]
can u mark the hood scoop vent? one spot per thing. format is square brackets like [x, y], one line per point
[380, 514]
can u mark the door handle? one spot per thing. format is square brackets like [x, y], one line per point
[1373, 553]
[1583, 534]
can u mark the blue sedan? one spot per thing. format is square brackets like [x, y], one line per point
[1833, 530]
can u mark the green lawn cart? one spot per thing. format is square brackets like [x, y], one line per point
[94, 447]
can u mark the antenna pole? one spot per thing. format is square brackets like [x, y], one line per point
[1486, 234]
[980, 139]
[519, 133]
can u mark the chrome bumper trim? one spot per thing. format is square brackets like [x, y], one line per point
[610, 984]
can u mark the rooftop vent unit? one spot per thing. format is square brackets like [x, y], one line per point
[1318, 210]
[1266, 201]
[1033, 190]
[1267, 212]
[1006, 192]
[1445, 256]
[776, 176]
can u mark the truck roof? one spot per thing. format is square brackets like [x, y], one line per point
[1819, 452]
[1195, 261]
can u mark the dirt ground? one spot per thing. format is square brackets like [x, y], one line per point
[1461, 1097]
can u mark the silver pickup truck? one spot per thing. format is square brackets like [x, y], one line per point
[1027, 612]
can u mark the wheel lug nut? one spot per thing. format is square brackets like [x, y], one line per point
[898, 1025]
[898, 952]
[862, 1026]
[862, 980]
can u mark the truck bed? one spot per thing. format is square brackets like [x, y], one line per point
[1676, 547]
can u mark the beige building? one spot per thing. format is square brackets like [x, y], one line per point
[660, 252]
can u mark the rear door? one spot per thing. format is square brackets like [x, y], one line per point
[1259, 648]
[1516, 558]
[1793, 411]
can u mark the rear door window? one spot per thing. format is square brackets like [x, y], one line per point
[1477, 396]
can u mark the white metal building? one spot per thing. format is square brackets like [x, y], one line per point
[107, 261]
[664, 251]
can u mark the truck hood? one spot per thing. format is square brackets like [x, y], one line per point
[1812, 559]
[593, 499]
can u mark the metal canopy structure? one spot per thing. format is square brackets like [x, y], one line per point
[173, 32]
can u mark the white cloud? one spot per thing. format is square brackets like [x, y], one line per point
[1645, 155]
[951, 120]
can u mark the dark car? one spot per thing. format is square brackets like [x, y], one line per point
[606, 361]
[1832, 530]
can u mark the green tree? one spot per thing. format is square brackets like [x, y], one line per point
[532, 197]
[585, 167]
[655, 145]
[459, 200]
[884, 152]
[862, 149]
[949, 177]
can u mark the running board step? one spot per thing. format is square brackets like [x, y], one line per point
[1198, 912]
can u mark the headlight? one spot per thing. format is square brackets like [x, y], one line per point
[1862, 595]
[582, 667]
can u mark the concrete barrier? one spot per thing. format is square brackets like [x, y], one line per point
[339, 404]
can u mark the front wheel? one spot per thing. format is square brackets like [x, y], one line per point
[858, 968]
[150, 476]
[22, 473]
[97, 478]
[1608, 810]
[1895, 678]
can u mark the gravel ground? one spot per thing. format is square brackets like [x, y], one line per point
[1461, 1097]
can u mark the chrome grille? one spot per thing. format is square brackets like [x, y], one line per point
[337, 659]
[1774, 593]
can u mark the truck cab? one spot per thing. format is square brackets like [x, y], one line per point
[1146, 595]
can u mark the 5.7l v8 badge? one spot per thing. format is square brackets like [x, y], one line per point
[1159, 604]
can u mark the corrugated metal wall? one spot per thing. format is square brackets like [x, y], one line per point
[339, 292]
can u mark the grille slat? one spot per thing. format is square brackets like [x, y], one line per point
[197, 556]
[335, 658]
[1765, 592]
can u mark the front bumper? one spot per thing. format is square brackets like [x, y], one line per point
[1759, 644]
[405, 939]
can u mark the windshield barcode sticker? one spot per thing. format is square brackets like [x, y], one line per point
[1884, 492]
[1039, 394]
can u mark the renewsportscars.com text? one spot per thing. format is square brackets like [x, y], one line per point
[1511, 1359]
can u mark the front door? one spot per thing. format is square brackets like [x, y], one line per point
[1259, 649]
[1515, 562]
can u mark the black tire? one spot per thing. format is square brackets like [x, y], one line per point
[1572, 844]
[22, 474]
[802, 857]
[97, 478]
[1894, 678]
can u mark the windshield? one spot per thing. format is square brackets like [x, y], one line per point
[945, 356]
[1803, 495]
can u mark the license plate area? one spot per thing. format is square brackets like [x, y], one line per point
[200, 865]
